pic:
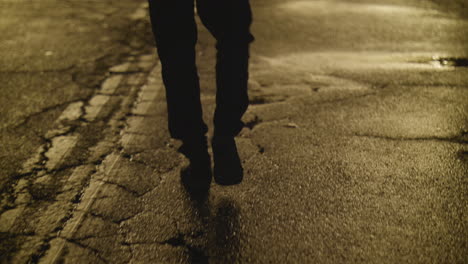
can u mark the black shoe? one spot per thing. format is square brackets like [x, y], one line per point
[196, 182]
[196, 178]
[227, 165]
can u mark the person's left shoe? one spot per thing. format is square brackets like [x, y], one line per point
[196, 178]
[227, 164]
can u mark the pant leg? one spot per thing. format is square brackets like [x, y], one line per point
[229, 22]
[175, 33]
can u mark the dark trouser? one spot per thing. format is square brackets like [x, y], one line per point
[175, 33]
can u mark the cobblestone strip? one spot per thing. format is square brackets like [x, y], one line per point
[53, 156]
[60, 140]
[147, 95]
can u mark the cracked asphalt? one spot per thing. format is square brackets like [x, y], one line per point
[49, 61]
[355, 145]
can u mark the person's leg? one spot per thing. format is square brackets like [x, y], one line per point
[175, 33]
[229, 22]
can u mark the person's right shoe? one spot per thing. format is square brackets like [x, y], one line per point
[227, 165]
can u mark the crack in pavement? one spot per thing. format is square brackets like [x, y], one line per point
[455, 139]
[339, 100]
[50, 70]
[131, 114]
[123, 187]
[35, 257]
[109, 219]
[126, 72]
[90, 237]
[96, 252]
[44, 110]
[196, 254]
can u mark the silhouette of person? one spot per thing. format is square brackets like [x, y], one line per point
[175, 33]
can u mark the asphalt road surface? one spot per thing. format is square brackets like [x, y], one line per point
[355, 145]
